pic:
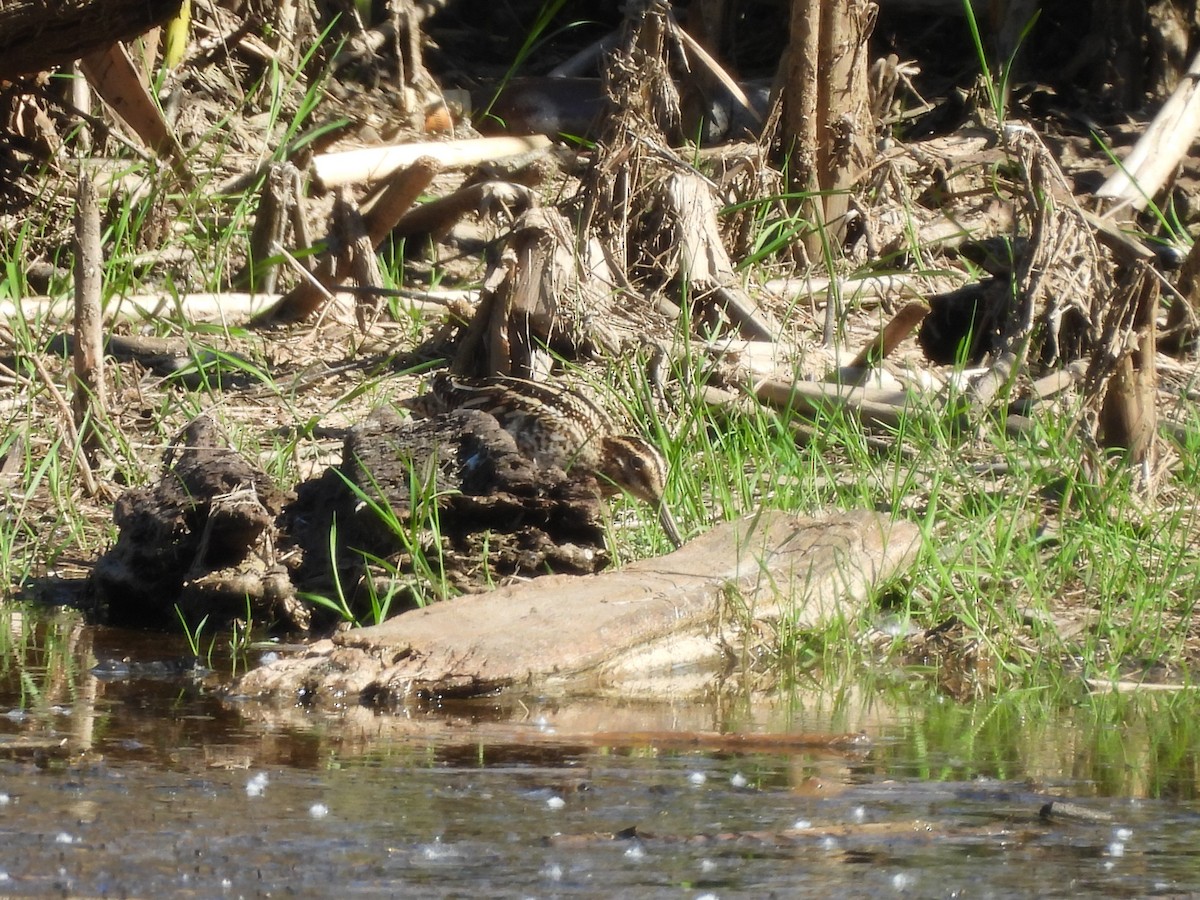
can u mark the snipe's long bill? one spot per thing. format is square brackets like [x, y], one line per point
[668, 524]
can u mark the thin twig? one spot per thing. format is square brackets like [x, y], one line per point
[66, 421]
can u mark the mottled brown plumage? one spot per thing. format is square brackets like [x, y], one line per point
[557, 426]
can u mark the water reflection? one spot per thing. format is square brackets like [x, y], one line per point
[122, 771]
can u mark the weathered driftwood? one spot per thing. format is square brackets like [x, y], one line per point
[614, 630]
[376, 163]
[36, 35]
[1142, 174]
[229, 306]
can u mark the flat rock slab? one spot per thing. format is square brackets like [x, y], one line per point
[622, 629]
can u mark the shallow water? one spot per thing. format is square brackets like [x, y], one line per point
[143, 782]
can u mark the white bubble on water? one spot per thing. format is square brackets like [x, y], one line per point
[829, 844]
[257, 784]
[269, 657]
[552, 872]
[318, 811]
[437, 851]
[801, 824]
[556, 803]
[431, 852]
[697, 778]
[738, 780]
[4, 876]
[63, 838]
[902, 881]
[5, 799]
[1116, 848]
[708, 866]
[635, 851]
[1123, 834]
[859, 814]
[709, 896]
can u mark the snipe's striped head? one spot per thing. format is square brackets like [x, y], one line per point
[636, 466]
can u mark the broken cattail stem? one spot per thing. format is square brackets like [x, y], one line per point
[401, 191]
[261, 271]
[891, 335]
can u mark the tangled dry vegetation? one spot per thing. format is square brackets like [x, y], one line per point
[316, 223]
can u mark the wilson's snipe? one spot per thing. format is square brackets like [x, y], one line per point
[556, 426]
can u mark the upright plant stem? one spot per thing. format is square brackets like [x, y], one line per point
[88, 394]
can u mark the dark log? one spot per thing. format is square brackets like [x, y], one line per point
[183, 542]
[36, 35]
